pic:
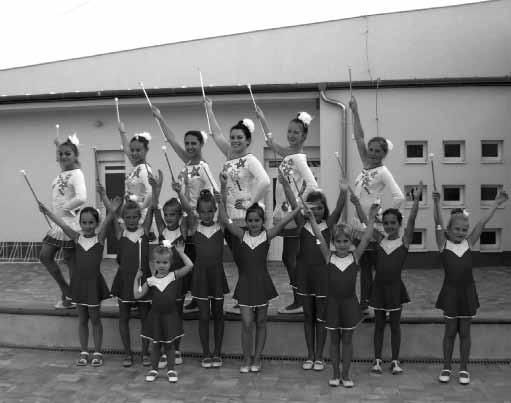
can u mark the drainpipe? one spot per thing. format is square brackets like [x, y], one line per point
[344, 131]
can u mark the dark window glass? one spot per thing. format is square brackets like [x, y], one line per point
[414, 151]
[452, 150]
[490, 150]
[417, 238]
[488, 238]
[488, 193]
[451, 194]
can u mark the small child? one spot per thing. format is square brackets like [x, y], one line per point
[255, 288]
[209, 284]
[458, 296]
[132, 257]
[388, 290]
[164, 324]
[88, 287]
[343, 311]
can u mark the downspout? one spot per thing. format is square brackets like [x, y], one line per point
[344, 131]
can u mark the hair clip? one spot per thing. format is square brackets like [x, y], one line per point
[390, 146]
[305, 118]
[73, 139]
[204, 136]
[249, 124]
[144, 135]
[166, 243]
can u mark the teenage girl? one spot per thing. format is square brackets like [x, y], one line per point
[311, 271]
[132, 256]
[295, 168]
[458, 296]
[68, 195]
[164, 324]
[255, 288]
[88, 287]
[343, 312]
[370, 184]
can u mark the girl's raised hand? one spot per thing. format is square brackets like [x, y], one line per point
[177, 187]
[502, 197]
[436, 195]
[100, 189]
[417, 192]
[180, 246]
[353, 104]
[373, 211]
[223, 178]
[42, 208]
[156, 112]
[122, 129]
[116, 203]
[259, 113]
[218, 196]
[208, 103]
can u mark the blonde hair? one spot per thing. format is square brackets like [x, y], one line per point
[344, 229]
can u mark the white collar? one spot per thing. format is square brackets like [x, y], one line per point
[161, 283]
[458, 249]
[171, 235]
[390, 245]
[87, 243]
[133, 236]
[254, 241]
[322, 226]
[208, 231]
[341, 263]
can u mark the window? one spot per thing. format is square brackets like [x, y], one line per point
[491, 151]
[416, 152]
[453, 195]
[409, 189]
[454, 151]
[488, 194]
[490, 240]
[418, 239]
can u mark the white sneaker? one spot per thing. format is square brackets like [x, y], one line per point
[172, 375]
[178, 358]
[163, 362]
[334, 382]
[395, 368]
[445, 376]
[151, 376]
[376, 368]
[464, 377]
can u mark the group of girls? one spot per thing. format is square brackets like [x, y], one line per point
[322, 257]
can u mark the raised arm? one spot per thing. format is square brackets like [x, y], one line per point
[275, 230]
[290, 196]
[188, 264]
[224, 217]
[358, 131]
[368, 233]
[439, 224]
[71, 233]
[302, 167]
[473, 238]
[185, 203]
[339, 206]
[323, 246]
[125, 142]
[283, 151]
[169, 135]
[77, 180]
[397, 195]
[216, 130]
[156, 185]
[410, 225]
[112, 208]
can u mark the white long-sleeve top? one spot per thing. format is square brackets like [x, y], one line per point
[197, 181]
[293, 166]
[371, 184]
[246, 180]
[137, 184]
[68, 194]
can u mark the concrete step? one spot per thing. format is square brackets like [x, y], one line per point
[421, 337]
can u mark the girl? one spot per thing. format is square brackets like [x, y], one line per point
[458, 296]
[255, 288]
[311, 274]
[295, 168]
[343, 312]
[88, 287]
[137, 188]
[388, 291]
[170, 228]
[132, 256]
[194, 177]
[370, 184]
[68, 194]
[209, 283]
[164, 324]
[247, 181]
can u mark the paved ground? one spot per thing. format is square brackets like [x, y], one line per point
[45, 376]
[29, 285]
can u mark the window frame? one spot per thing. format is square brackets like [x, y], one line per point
[454, 160]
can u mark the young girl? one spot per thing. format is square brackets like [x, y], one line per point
[164, 324]
[132, 256]
[171, 228]
[311, 272]
[295, 168]
[68, 194]
[88, 287]
[255, 288]
[388, 291]
[458, 296]
[209, 284]
[343, 312]
[371, 183]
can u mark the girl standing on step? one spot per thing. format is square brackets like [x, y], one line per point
[458, 296]
[255, 288]
[343, 312]
[88, 287]
[164, 324]
[311, 272]
[371, 183]
[388, 291]
[132, 256]
[68, 195]
[209, 284]
[295, 168]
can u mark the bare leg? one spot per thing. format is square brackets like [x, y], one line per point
[260, 339]
[83, 327]
[97, 328]
[247, 320]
